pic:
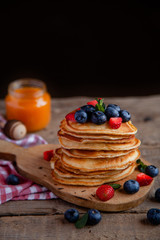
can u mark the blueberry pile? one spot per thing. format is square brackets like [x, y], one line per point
[100, 113]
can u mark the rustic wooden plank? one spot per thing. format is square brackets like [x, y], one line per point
[36, 207]
[45, 207]
[58, 206]
[131, 224]
[112, 226]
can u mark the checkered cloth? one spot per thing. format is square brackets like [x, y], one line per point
[26, 189]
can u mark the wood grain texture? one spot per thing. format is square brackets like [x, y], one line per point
[39, 217]
[112, 226]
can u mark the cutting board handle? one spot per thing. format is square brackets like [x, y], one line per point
[9, 150]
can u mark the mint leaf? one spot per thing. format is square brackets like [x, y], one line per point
[141, 165]
[138, 161]
[115, 185]
[100, 106]
[82, 221]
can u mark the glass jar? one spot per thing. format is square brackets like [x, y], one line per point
[29, 102]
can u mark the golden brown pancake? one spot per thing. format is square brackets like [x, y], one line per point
[71, 144]
[93, 140]
[126, 128]
[99, 164]
[96, 136]
[77, 171]
[91, 165]
[93, 181]
[63, 172]
[93, 154]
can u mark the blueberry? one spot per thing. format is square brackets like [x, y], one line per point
[131, 186]
[81, 116]
[89, 109]
[12, 180]
[111, 112]
[94, 217]
[125, 115]
[153, 216]
[98, 117]
[152, 171]
[114, 106]
[71, 215]
[157, 195]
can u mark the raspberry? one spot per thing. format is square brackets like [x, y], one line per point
[47, 155]
[144, 179]
[105, 192]
[115, 122]
[70, 117]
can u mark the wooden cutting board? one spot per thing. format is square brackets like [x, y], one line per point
[30, 164]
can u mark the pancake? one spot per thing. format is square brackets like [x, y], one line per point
[93, 140]
[95, 136]
[93, 154]
[94, 173]
[72, 144]
[126, 128]
[101, 164]
[58, 152]
[77, 171]
[93, 181]
[52, 161]
[63, 172]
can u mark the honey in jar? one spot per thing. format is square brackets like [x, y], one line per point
[29, 102]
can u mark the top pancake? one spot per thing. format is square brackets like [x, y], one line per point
[126, 128]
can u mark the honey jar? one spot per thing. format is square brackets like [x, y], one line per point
[29, 102]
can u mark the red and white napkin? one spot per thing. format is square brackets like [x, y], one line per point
[26, 190]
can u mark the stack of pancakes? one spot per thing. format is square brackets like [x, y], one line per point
[91, 154]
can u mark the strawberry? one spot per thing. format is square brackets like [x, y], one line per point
[144, 179]
[47, 155]
[93, 102]
[115, 122]
[105, 192]
[70, 116]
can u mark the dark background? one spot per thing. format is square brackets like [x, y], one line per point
[81, 47]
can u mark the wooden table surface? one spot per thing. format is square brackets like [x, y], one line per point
[44, 219]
